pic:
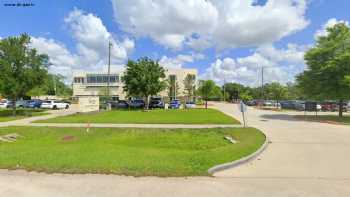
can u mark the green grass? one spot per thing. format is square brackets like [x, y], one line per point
[192, 116]
[331, 118]
[6, 114]
[136, 152]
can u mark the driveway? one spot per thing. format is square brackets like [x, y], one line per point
[304, 159]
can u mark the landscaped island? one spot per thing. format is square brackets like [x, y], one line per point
[137, 152]
[185, 116]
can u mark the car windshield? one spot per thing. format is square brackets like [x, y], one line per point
[47, 101]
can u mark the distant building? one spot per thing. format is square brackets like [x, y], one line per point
[95, 84]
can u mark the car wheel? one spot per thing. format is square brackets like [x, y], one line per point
[54, 107]
[67, 106]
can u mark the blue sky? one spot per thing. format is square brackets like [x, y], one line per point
[225, 40]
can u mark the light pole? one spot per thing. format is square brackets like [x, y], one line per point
[109, 67]
[262, 83]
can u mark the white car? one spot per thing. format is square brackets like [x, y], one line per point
[4, 103]
[190, 105]
[54, 104]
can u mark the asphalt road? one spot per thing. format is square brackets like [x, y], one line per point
[303, 159]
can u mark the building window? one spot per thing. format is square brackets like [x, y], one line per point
[102, 78]
[78, 80]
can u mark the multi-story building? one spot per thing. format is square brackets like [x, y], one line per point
[95, 84]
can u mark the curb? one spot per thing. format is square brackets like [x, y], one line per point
[243, 160]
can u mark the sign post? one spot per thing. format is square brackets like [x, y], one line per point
[243, 108]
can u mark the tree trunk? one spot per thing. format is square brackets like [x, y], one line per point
[14, 107]
[341, 108]
[147, 103]
[206, 104]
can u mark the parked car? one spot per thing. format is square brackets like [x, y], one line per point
[137, 103]
[156, 104]
[299, 105]
[345, 108]
[318, 107]
[175, 104]
[287, 104]
[54, 104]
[122, 104]
[114, 104]
[252, 103]
[267, 103]
[19, 104]
[33, 104]
[329, 106]
[190, 105]
[4, 103]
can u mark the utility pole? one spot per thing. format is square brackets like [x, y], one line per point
[262, 82]
[109, 67]
[224, 89]
[54, 84]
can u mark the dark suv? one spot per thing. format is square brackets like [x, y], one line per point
[137, 103]
[156, 104]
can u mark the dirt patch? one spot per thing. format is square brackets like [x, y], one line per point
[68, 138]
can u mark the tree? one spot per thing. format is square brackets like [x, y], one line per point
[21, 67]
[276, 91]
[189, 86]
[144, 78]
[233, 90]
[206, 90]
[53, 85]
[173, 87]
[245, 95]
[294, 92]
[328, 72]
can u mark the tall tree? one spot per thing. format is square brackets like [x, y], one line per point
[21, 67]
[328, 73]
[233, 90]
[206, 90]
[173, 87]
[189, 86]
[276, 91]
[53, 85]
[144, 77]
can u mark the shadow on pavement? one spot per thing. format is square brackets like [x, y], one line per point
[280, 117]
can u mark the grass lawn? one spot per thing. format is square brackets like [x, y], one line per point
[6, 114]
[330, 118]
[191, 116]
[128, 151]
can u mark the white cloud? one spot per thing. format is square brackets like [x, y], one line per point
[203, 23]
[280, 65]
[62, 60]
[179, 60]
[330, 23]
[91, 38]
[91, 35]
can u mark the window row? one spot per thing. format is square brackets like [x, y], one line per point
[97, 79]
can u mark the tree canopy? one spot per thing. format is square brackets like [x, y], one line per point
[189, 86]
[143, 78]
[21, 67]
[53, 85]
[328, 72]
[206, 90]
